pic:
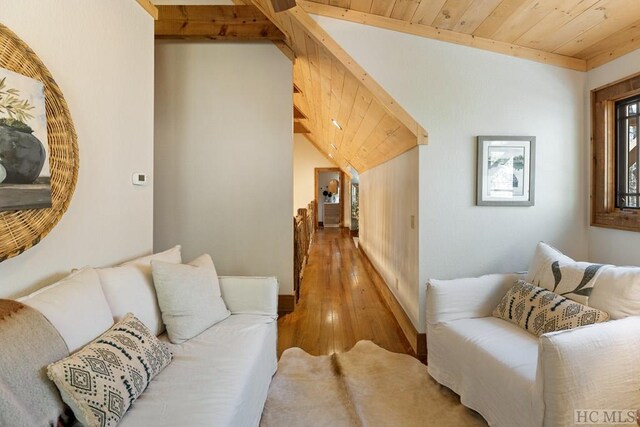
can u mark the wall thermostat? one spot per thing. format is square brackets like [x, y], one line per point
[140, 178]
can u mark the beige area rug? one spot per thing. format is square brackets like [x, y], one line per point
[366, 386]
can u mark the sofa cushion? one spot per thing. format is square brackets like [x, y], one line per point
[552, 270]
[75, 306]
[539, 311]
[488, 361]
[129, 288]
[618, 292]
[219, 378]
[102, 380]
[189, 297]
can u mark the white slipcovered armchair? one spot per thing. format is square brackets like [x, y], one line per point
[512, 377]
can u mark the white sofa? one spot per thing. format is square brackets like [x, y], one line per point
[512, 377]
[218, 378]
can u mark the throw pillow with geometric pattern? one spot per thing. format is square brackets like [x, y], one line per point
[539, 310]
[102, 380]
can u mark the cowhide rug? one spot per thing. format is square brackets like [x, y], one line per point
[366, 386]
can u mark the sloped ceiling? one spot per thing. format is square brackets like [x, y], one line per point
[372, 127]
[333, 88]
[578, 34]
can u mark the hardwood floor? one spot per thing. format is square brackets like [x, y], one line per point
[339, 305]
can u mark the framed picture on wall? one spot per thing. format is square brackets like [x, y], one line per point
[25, 178]
[506, 171]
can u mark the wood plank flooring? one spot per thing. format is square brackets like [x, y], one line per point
[339, 304]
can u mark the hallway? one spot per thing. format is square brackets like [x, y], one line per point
[339, 303]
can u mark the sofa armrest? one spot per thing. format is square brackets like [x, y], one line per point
[595, 367]
[466, 298]
[250, 295]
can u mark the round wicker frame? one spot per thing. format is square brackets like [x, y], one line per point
[20, 230]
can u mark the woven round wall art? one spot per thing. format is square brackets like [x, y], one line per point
[26, 222]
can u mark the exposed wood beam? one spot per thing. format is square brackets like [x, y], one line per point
[285, 49]
[444, 35]
[318, 33]
[297, 114]
[215, 23]
[282, 5]
[280, 44]
[300, 128]
[268, 11]
[149, 7]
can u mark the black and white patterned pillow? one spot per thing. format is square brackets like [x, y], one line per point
[102, 380]
[539, 310]
[552, 270]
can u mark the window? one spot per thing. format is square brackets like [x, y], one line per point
[627, 153]
[615, 192]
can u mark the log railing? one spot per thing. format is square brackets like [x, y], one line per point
[303, 231]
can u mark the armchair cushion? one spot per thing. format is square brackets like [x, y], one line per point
[488, 361]
[466, 298]
[594, 367]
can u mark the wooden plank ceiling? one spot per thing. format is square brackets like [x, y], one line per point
[346, 114]
[352, 119]
[337, 105]
[577, 34]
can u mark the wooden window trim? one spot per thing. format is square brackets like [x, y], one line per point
[603, 175]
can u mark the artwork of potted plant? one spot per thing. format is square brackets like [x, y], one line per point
[24, 170]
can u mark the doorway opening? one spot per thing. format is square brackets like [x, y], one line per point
[329, 197]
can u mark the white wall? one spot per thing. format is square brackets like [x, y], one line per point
[306, 158]
[388, 199]
[223, 153]
[608, 245]
[100, 53]
[457, 93]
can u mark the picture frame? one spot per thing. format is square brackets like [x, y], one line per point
[506, 171]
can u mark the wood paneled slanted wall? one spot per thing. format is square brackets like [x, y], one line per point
[374, 128]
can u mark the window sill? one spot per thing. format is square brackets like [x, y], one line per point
[618, 220]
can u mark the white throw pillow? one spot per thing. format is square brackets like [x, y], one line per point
[173, 255]
[552, 270]
[75, 306]
[618, 292]
[189, 297]
[129, 288]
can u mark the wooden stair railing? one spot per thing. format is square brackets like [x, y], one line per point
[303, 231]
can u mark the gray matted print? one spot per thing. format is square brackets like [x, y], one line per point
[506, 171]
